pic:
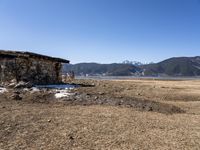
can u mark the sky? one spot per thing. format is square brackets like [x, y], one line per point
[103, 31]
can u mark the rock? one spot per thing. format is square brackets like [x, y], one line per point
[71, 137]
[13, 81]
[3, 90]
[11, 85]
[101, 93]
[16, 92]
[23, 84]
[149, 108]
[138, 94]
[26, 90]
[16, 97]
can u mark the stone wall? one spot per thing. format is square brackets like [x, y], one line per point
[37, 71]
[7, 69]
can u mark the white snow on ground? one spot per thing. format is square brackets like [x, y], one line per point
[3, 90]
[62, 90]
[62, 93]
[34, 89]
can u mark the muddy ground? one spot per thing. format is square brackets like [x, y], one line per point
[118, 114]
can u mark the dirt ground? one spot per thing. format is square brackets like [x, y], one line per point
[117, 114]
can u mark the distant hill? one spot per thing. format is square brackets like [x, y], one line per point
[177, 66]
[102, 69]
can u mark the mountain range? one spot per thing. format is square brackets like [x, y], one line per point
[176, 66]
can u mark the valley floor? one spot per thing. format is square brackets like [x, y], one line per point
[117, 114]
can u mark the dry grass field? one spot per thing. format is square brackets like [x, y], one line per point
[110, 115]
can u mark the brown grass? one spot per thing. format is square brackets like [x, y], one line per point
[26, 125]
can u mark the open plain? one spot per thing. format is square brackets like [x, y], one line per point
[116, 114]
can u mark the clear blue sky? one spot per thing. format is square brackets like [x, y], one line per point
[102, 31]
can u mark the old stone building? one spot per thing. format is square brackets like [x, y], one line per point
[30, 67]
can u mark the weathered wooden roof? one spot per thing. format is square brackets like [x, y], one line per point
[22, 54]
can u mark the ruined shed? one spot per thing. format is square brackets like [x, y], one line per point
[30, 67]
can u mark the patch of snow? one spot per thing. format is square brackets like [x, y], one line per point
[34, 89]
[62, 93]
[60, 90]
[3, 90]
